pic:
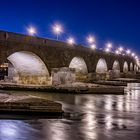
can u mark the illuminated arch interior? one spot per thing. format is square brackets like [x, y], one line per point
[125, 67]
[29, 68]
[116, 66]
[101, 66]
[135, 68]
[79, 64]
[131, 66]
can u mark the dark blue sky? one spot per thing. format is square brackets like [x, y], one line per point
[109, 20]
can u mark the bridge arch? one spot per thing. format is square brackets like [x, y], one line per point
[135, 68]
[125, 67]
[26, 67]
[116, 65]
[116, 68]
[79, 64]
[101, 66]
[131, 66]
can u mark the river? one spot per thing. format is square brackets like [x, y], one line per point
[87, 117]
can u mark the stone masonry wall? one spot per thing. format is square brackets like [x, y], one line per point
[63, 75]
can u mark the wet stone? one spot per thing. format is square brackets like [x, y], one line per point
[26, 103]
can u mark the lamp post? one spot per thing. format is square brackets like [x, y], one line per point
[117, 52]
[71, 41]
[91, 42]
[133, 54]
[93, 46]
[90, 39]
[31, 30]
[57, 29]
[108, 47]
[128, 51]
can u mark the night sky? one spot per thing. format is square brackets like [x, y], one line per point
[117, 21]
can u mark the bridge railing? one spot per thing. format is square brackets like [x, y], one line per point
[14, 37]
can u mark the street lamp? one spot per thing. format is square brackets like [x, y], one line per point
[109, 45]
[57, 29]
[117, 52]
[133, 54]
[31, 30]
[93, 46]
[120, 49]
[136, 57]
[107, 50]
[90, 39]
[128, 51]
[71, 41]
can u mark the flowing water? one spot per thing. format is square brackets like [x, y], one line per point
[87, 117]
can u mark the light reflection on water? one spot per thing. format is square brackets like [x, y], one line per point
[17, 129]
[87, 117]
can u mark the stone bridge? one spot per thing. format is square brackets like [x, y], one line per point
[33, 60]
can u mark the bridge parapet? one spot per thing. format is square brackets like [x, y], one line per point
[33, 40]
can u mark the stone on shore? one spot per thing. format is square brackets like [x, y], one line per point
[77, 87]
[28, 104]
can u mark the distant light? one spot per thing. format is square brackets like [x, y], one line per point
[133, 54]
[107, 50]
[117, 52]
[31, 30]
[70, 41]
[57, 29]
[136, 57]
[90, 39]
[93, 46]
[109, 45]
[128, 51]
[120, 49]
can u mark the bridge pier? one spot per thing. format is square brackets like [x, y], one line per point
[64, 75]
[34, 79]
[97, 76]
[109, 75]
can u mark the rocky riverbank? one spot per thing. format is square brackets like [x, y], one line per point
[118, 81]
[28, 105]
[75, 88]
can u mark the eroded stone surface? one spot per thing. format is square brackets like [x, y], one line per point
[25, 103]
[63, 76]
